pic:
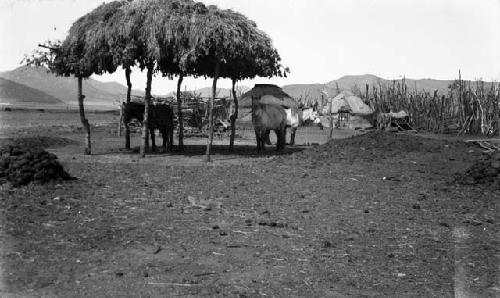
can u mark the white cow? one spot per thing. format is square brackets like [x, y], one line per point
[293, 120]
[296, 117]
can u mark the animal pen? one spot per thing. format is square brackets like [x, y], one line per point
[194, 110]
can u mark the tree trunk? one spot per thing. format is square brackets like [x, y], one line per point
[366, 93]
[84, 121]
[125, 116]
[179, 113]
[120, 121]
[497, 100]
[211, 113]
[147, 101]
[233, 118]
[330, 135]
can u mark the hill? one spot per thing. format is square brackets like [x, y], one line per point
[221, 92]
[310, 93]
[348, 82]
[18, 94]
[307, 93]
[65, 88]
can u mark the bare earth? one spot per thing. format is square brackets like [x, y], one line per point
[376, 215]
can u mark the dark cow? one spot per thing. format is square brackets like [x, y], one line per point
[266, 118]
[160, 117]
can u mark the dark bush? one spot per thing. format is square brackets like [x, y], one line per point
[484, 171]
[21, 165]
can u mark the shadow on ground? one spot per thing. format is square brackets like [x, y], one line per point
[200, 150]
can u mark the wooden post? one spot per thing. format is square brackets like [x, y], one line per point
[497, 100]
[84, 121]
[211, 112]
[366, 93]
[330, 136]
[233, 118]
[179, 113]
[460, 100]
[125, 116]
[147, 101]
[120, 122]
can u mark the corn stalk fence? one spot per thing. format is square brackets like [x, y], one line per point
[469, 107]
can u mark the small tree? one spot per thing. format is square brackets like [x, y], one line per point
[81, 54]
[226, 44]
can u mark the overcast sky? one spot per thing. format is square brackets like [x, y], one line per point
[320, 40]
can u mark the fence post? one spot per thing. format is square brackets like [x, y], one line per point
[120, 122]
[330, 136]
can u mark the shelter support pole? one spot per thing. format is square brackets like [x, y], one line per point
[179, 113]
[120, 122]
[125, 112]
[147, 101]
[84, 121]
[234, 116]
[497, 100]
[330, 135]
[211, 112]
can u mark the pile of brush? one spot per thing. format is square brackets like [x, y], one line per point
[484, 171]
[21, 165]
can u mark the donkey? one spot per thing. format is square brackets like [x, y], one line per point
[266, 117]
[160, 117]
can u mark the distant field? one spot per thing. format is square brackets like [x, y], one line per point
[54, 107]
[19, 119]
[34, 121]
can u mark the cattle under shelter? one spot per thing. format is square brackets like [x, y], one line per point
[268, 94]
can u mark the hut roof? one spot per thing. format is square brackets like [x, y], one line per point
[268, 94]
[347, 102]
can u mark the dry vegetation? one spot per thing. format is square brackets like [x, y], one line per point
[468, 108]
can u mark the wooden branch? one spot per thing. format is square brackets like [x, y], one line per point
[483, 140]
[171, 284]
[47, 47]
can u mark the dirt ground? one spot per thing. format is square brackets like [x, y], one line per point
[375, 215]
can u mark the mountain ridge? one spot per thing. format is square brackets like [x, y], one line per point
[64, 88]
[110, 93]
[12, 92]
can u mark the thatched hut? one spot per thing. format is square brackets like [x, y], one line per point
[346, 101]
[347, 110]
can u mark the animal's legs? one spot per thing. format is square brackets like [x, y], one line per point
[153, 145]
[164, 137]
[292, 135]
[259, 137]
[282, 137]
[170, 136]
[267, 138]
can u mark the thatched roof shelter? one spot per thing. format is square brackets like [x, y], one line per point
[347, 102]
[268, 94]
[173, 37]
[224, 43]
[84, 52]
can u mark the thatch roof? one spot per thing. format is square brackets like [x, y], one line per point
[347, 102]
[85, 50]
[268, 94]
